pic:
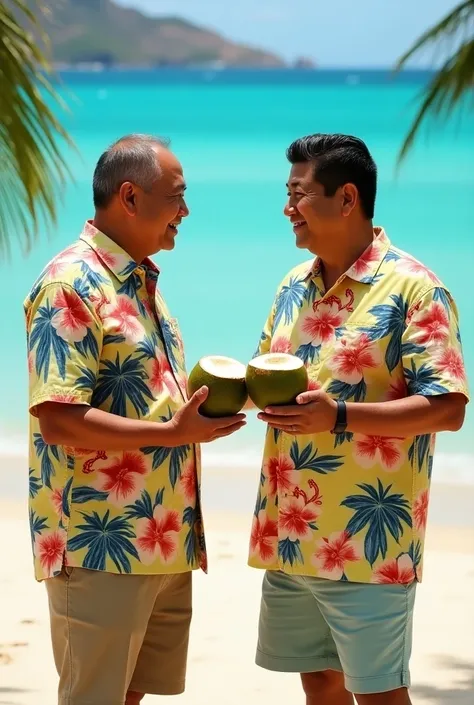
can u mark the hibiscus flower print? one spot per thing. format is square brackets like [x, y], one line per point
[280, 345]
[365, 264]
[413, 268]
[161, 376]
[49, 549]
[430, 326]
[57, 501]
[73, 319]
[352, 357]
[333, 553]
[420, 511]
[188, 481]
[385, 451]
[296, 517]
[113, 260]
[124, 316]
[58, 266]
[313, 385]
[157, 537]
[63, 398]
[124, 480]
[450, 363]
[320, 326]
[264, 538]
[281, 474]
[397, 390]
[398, 570]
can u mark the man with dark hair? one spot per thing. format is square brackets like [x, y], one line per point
[114, 457]
[342, 504]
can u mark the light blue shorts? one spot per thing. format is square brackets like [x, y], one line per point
[313, 624]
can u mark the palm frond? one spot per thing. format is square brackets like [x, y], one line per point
[454, 22]
[33, 167]
[455, 78]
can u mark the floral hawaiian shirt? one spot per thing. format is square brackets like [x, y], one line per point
[352, 506]
[99, 333]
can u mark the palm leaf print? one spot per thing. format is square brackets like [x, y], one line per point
[419, 451]
[34, 484]
[290, 551]
[105, 538]
[87, 379]
[37, 524]
[122, 382]
[130, 288]
[390, 321]
[45, 451]
[291, 295]
[44, 338]
[423, 380]
[84, 493]
[191, 516]
[308, 353]
[382, 513]
[144, 508]
[91, 276]
[345, 391]
[170, 341]
[176, 457]
[148, 347]
[308, 459]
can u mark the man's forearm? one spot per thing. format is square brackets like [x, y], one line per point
[412, 416]
[94, 429]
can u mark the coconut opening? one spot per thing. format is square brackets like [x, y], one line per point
[276, 361]
[224, 367]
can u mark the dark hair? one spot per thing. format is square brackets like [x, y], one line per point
[131, 158]
[339, 159]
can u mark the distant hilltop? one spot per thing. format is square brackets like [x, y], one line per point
[101, 32]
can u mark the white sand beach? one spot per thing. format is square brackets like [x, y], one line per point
[221, 667]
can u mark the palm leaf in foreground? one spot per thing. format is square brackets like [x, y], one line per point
[32, 164]
[455, 78]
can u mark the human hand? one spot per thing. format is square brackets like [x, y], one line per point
[189, 426]
[314, 412]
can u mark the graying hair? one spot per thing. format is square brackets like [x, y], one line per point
[131, 158]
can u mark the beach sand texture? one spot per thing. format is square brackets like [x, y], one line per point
[221, 657]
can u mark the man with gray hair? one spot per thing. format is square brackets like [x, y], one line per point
[114, 459]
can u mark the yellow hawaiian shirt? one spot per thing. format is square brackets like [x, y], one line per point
[351, 506]
[99, 333]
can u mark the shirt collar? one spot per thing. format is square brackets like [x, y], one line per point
[365, 269]
[112, 256]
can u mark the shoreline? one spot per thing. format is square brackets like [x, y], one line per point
[225, 617]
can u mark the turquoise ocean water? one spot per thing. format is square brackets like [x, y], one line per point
[230, 130]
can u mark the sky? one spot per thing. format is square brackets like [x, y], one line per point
[359, 33]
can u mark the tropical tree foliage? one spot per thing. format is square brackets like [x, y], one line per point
[32, 165]
[455, 78]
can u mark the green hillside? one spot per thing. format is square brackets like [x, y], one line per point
[100, 30]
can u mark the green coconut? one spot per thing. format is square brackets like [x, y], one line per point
[275, 379]
[225, 378]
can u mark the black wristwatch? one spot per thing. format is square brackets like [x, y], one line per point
[341, 417]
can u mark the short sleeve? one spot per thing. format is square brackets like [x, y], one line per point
[432, 354]
[64, 340]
